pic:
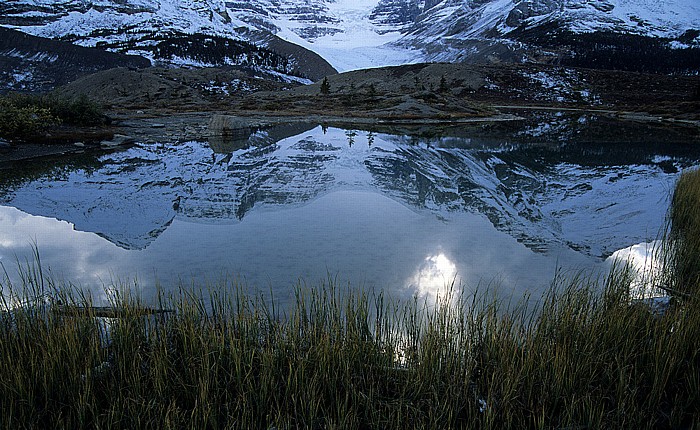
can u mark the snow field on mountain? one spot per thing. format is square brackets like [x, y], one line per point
[343, 31]
[358, 43]
[661, 18]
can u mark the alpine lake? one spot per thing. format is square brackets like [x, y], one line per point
[408, 210]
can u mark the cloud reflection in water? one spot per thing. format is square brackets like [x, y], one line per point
[435, 278]
[645, 262]
[68, 257]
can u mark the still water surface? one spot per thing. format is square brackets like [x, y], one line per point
[405, 211]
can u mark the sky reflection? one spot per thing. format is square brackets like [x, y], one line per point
[435, 279]
[645, 262]
[357, 237]
[68, 256]
[303, 203]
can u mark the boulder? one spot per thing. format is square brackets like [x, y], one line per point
[118, 140]
[229, 125]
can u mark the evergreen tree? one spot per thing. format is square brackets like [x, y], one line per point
[325, 86]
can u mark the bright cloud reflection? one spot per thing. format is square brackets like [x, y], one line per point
[644, 261]
[69, 258]
[434, 278]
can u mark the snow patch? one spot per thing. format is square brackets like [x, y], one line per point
[564, 85]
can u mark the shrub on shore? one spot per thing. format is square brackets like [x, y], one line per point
[24, 115]
[24, 120]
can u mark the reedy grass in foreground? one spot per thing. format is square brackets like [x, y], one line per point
[351, 360]
[684, 236]
[587, 357]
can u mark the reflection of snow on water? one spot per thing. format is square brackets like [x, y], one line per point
[435, 278]
[645, 263]
[474, 203]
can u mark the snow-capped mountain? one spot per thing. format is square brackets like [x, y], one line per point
[352, 34]
[557, 30]
[490, 18]
[189, 32]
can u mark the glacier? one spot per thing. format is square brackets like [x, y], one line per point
[357, 34]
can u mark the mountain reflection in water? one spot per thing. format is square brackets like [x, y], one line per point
[294, 193]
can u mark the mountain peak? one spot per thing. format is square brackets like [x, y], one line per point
[352, 34]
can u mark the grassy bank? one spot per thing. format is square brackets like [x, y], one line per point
[587, 358]
[684, 243]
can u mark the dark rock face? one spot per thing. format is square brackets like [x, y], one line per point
[518, 15]
[29, 63]
[609, 50]
[396, 13]
[303, 62]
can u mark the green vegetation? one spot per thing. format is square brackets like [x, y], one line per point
[586, 357]
[23, 115]
[684, 240]
[19, 120]
[325, 86]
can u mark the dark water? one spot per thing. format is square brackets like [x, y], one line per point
[405, 210]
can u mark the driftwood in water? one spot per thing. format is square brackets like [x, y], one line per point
[107, 311]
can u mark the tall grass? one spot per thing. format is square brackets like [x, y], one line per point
[684, 235]
[587, 357]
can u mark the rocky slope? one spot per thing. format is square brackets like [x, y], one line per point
[29, 63]
[642, 35]
[171, 89]
[191, 33]
[444, 91]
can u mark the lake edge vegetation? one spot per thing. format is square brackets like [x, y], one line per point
[24, 116]
[588, 357]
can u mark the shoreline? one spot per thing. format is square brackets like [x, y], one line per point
[158, 125]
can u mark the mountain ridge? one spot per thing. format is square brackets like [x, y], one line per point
[561, 32]
[30, 63]
[173, 33]
[447, 30]
[308, 41]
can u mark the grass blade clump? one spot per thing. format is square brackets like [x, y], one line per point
[684, 237]
[351, 360]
